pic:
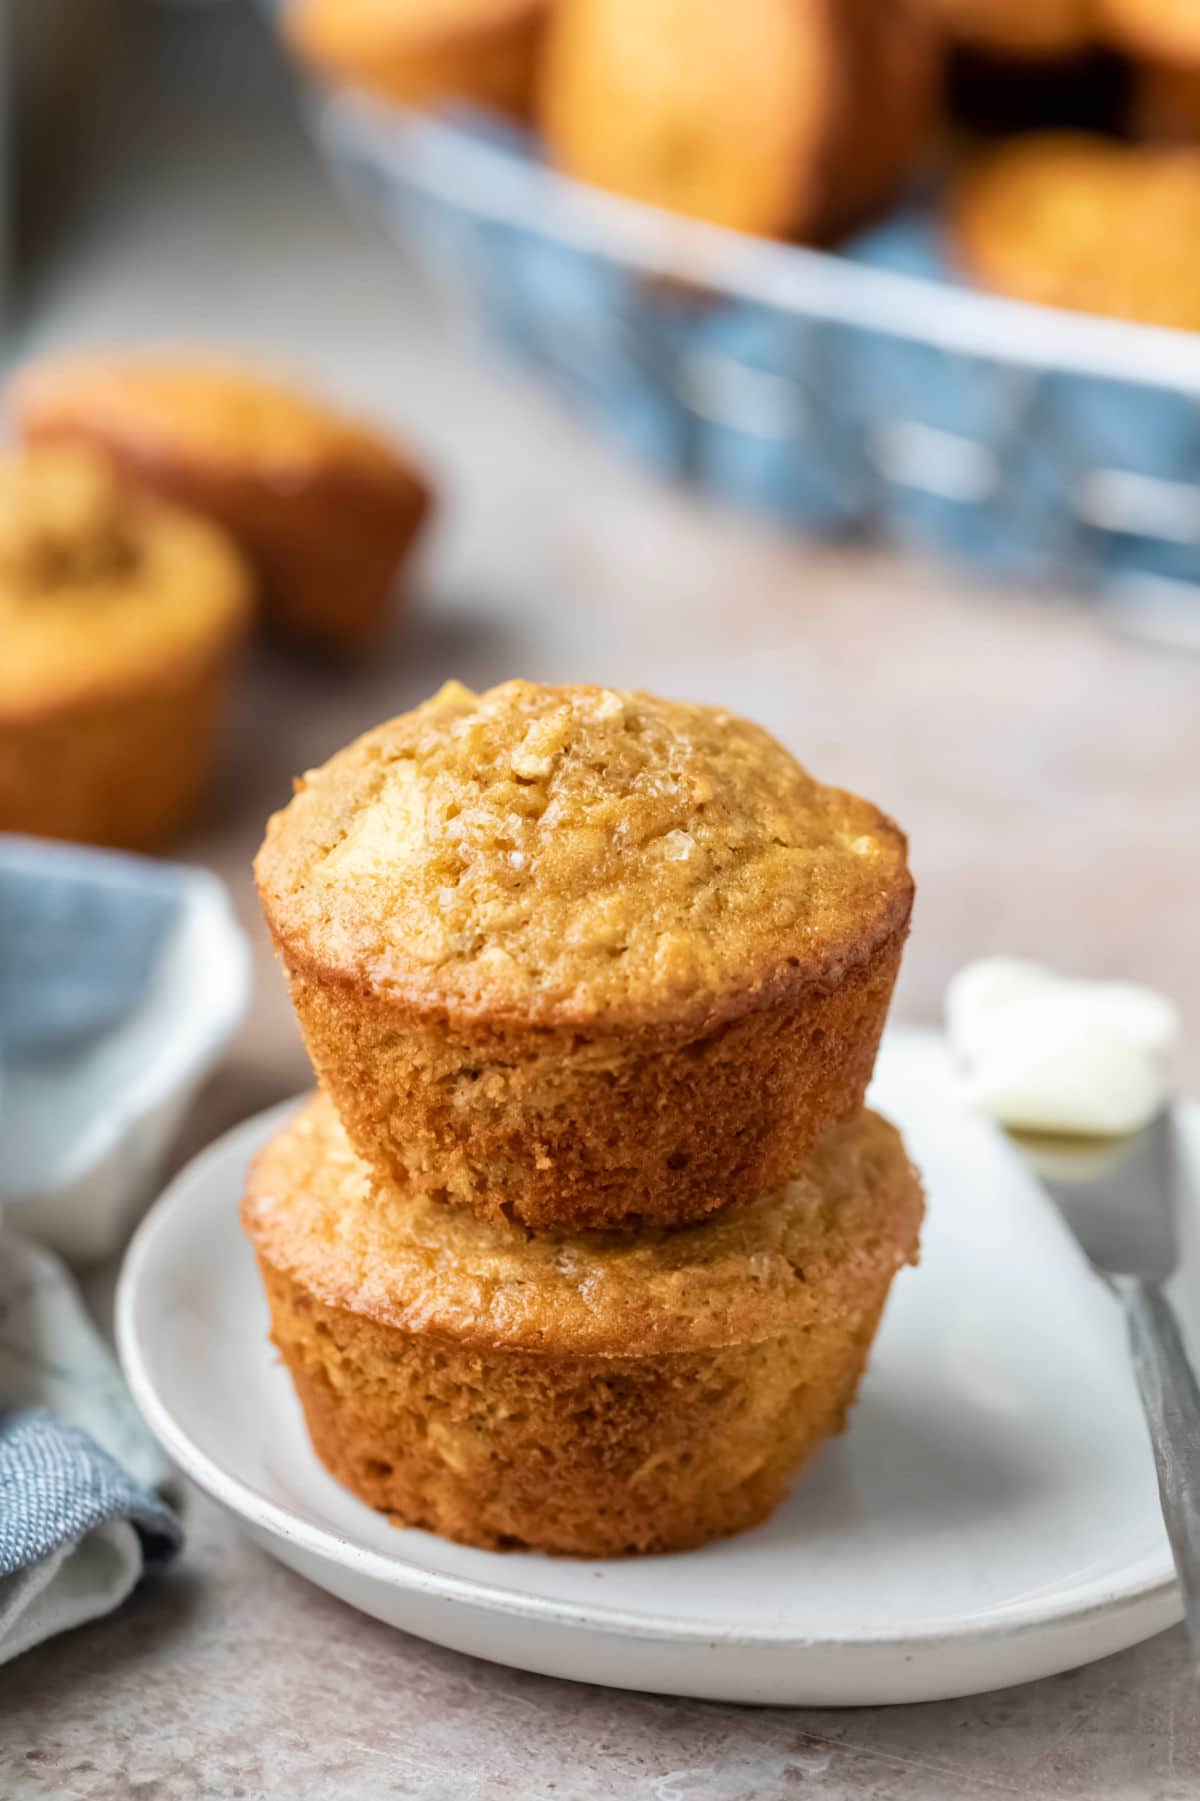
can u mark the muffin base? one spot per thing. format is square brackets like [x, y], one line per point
[126, 771]
[576, 1456]
[552, 1127]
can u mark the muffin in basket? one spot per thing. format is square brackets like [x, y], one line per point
[420, 52]
[575, 1394]
[1166, 31]
[120, 621]
[1082, 222]
[767, 116]
[1033, 29]
[579, 956]
[324, 508]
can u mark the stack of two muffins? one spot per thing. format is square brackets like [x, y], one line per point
[584, 1242]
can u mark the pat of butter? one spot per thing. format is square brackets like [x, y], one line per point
[1045, 1053]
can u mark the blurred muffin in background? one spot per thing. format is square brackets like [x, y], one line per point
[1028, 28]
[420, 52]
[1166, 31]
[767, 116]
[324, 508]
[1085, 223]
[120, 619]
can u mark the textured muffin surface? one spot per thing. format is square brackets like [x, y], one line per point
[103, 591]
[579, 853]
[572, 1394]
[758, 1269]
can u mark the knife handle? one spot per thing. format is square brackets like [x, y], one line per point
[1171, 1399]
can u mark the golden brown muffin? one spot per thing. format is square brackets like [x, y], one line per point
[420, 52]
[120, 621]
[325, 510]
[1085, 223]
[570, 955]
[1167, 31]
[1035, 29]
[575, 1394]
[786, 117]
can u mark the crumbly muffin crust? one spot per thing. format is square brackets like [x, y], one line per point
[574, 1394]
[641, 1126]
[121, 619]
[324, 508]
[576, 856]
[574, 956]
[775, 1264]
[1082, 222]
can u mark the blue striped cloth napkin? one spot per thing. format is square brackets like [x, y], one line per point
[80, 1514]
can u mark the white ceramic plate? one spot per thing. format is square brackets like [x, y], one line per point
[991, 1516]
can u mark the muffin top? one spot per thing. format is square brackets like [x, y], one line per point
[101, 588]
[753, 1271]
[1076, 221]
[200, 411]
[577, 855]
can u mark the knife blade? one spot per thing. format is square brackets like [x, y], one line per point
[1120, 1199]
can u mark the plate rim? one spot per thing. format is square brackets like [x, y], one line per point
[1152, 1594]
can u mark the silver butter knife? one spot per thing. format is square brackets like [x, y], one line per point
[1120, 1200]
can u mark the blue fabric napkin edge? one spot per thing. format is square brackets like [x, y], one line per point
[57, 1485]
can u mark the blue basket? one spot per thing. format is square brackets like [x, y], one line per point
[845, 394]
